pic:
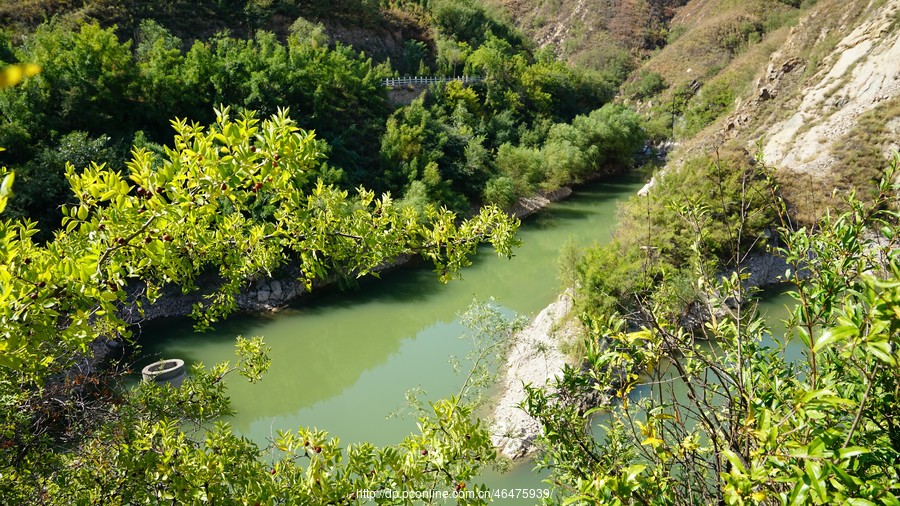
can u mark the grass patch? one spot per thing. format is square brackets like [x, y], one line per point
[861, 156]
[861, 152]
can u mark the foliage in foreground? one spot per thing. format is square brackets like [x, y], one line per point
[724, 416]
[232, 201]
[142, 453]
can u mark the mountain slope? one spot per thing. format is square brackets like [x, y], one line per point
[826, 107]
[818, 86]
[844, 119]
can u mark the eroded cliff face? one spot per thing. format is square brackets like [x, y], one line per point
[823, 108]
[825, 112]
[860, 74]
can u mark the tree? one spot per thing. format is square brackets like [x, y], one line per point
[87, 75]
[43, 187]
[239, 198]
[752, 426]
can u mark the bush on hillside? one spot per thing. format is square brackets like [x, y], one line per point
[644, 85]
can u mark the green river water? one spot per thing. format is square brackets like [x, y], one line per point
[343, 361]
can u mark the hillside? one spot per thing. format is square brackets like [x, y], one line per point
[705, 73]
[381, 33]
[815, 82]
[603, 35]
[113, 79]
[821, 96]
[727, 72]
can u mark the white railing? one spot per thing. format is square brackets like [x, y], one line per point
[421, 80]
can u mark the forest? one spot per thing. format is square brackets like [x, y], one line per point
[150, 145]
[101, 95]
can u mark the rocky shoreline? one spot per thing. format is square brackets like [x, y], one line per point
[534, 358]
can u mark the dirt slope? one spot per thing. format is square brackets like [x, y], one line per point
[861, 72]
[821, 96]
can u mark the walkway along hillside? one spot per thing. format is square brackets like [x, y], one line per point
[403, 90]
[392, 82]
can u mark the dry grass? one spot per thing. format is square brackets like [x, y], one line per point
[721, 48]
[805, 195]
[863, 152]
[714, 33]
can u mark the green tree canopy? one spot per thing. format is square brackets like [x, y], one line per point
[239, 198]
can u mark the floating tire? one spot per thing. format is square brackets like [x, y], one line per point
[169, 371]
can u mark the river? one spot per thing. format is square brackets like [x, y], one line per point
[343, 361]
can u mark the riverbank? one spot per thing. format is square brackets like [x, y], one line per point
[535, 359]
[274, 293]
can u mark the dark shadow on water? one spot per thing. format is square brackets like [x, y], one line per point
[550, 218]
[407, 284]
[150, 339]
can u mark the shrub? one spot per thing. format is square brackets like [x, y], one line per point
[610, 277]
[707, 210]
[713, 100]
[522, 165]
[469, 21]
[306, 30]
[645, 85]
[501, 191]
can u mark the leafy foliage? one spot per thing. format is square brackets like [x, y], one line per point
[592, 144]
[747, 425]
[459, 140]
[94, 83]
[712, 101]
[241, 197]
[468, 21]
[245, 183]
[148, 456]
[119, 93]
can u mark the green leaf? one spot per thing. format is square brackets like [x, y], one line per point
[799, 494]
[632, 471]
[817, 482]
[815, 449]
[829, 336]
[858, 501]
[852, 451]
[882, 351]
[735, 461]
